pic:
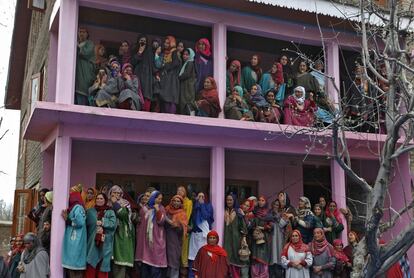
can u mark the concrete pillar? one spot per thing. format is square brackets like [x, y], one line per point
[217, 188]
[51, 67]
[338, 185]
[66, 51]
[332, 69]
[61, 184]
[219, 55]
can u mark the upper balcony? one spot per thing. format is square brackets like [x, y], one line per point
[234, 35]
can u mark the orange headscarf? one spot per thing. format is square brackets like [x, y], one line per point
[179, 216]
[168, 52]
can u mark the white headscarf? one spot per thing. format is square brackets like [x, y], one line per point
[301, 99]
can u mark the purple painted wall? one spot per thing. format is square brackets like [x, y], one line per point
[89, 158]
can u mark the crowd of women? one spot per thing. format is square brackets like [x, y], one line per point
[110, 234]
[168, 77]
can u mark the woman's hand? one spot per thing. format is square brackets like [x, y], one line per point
[65, 214]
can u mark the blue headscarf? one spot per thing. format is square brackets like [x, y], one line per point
[239, 90]
[258, 99]
[201, 212]
[190, 59]
[154, 195]
[114, 73]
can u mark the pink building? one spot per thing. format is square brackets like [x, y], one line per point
[90, 145]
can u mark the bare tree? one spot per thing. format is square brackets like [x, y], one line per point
[385, 61]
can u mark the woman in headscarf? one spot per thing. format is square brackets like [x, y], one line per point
[296, 257]
[188, 208]
[319, 217]
[85, 66]
[124, 239]
[274, 113]
[323, 255]
[251, 74]
[175, 228]
[154, 257]
[34, 261]
[353, 240]
[105, 90]
[273, 80]
[288, 213]
[235, 107]
[211, 260]
[334, 222]
[260, 243]
[15, 256]
[101, 224]
[100, 57]
[188, 79]
[130, 94]
[343, 265]
[141, 227]
[306, 80]
[36, 213]
[202, 220]
[305, 220]
[257, 102]
[233, 76]
[89, 198]
[288, 76]
[279, 223]
[326, 110]
[209, 104]
[298, 110]
[203, 62]
[143, 62]
[180, 50]
[234, 230]
[170, 85]
[74, 240]
[124, 53]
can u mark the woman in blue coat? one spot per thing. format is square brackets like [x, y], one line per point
[101, 224]
[74, 241]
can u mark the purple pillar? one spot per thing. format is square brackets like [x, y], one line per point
[66, 51]
[219, 54]
[332, 69]
[61, 182]
[217, 187]
[339, 193]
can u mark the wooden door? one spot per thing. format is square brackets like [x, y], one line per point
[23, 203]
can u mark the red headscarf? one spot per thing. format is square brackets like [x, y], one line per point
[238, 81]
[211, 96]
[335, 214]
[215, 250]
[207, 51]
[261, 211]
[75, 198]
[16, 249]
[278, 75]
[340, 255]
[299, 247]
[318, 247]
[178, 214]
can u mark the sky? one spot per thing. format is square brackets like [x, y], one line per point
[9, 144]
